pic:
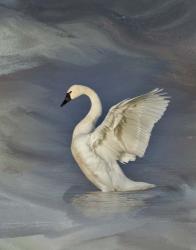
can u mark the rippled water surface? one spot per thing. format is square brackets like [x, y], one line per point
[121, 49]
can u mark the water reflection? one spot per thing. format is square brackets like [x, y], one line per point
[97, 204]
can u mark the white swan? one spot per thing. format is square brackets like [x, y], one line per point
[123, 135]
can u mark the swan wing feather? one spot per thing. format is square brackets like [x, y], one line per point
[126, 129]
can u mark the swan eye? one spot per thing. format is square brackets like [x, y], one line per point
[68, 96]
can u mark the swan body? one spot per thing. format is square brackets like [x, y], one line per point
[121, 137]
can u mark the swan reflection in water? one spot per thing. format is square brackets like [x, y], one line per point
[99, 204]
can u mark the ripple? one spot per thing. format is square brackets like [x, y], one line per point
[99, 204]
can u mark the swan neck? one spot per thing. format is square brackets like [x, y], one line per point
[87, 124]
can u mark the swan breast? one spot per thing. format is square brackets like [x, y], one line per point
[94, 168]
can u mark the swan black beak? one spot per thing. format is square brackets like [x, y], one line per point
[66, 100]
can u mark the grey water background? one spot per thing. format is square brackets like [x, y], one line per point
[121, 49]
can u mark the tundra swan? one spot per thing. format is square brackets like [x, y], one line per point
[123, 135]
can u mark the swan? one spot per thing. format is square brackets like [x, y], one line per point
[121, 137]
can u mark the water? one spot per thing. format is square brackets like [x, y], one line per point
[121, 49]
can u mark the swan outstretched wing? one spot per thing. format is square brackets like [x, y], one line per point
[126, 129]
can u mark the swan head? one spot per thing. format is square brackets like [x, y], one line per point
[73, 92]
